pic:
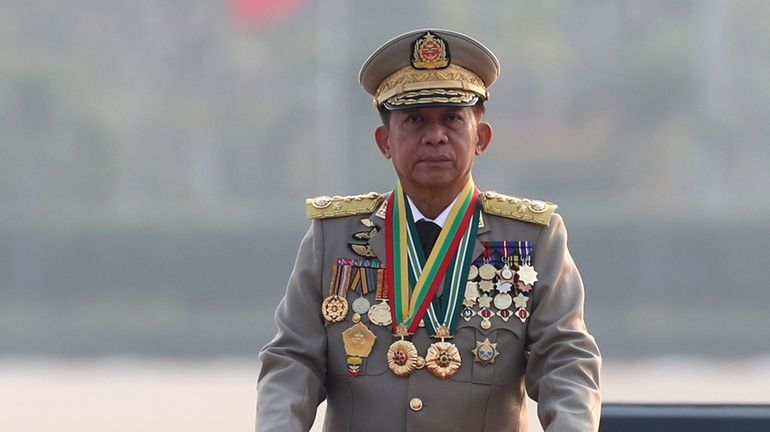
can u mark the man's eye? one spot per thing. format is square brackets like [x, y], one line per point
[412, 119]
[453, 117]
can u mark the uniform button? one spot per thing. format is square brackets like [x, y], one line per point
[415, 404]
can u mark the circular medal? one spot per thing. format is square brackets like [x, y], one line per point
[506, 273]
[379, 314]
[503, 301]
[443, 359]
[403, 358]
[356, 318]
[473, 272]
[361, 305]
[486, 324]
[334, 308]
[487, 271]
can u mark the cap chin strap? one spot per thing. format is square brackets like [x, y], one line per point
[432, 97]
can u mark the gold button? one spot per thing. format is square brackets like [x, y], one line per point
[415, 404]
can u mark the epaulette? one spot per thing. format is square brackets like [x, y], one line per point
[523, 209]
[323, 207]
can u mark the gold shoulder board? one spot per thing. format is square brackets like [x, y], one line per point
[523, 209]
[323, 207]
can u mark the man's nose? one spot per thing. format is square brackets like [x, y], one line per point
[434, 133]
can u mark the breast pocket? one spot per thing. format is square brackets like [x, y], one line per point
[503, 341]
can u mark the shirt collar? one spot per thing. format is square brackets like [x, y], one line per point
[440, 219]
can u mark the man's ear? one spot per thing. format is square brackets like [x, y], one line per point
[381, 137]
[484, 133]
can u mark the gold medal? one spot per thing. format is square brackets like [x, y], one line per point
[486, 285]
[527, 274]
[358, 340]
[485, 352]
[520, 300]
[485, 301]
[403, 358]
[443, 359]
[334, 308]
[379, 314]
[487, 271]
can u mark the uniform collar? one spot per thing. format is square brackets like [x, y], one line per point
[378, 241]
[440, 219]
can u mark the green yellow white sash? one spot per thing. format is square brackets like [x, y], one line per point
[407, 266]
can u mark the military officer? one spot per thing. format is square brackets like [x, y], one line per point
[435, 306]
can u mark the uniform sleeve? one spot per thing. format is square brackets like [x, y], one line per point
[563, 369]
[291, 380]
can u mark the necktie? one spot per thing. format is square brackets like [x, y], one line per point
[428, 232]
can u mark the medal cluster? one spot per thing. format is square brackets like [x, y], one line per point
[359, 276]
[500, 283]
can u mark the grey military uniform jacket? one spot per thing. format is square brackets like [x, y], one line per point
[551, 354]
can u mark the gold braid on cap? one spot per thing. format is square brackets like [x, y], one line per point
[409, 79]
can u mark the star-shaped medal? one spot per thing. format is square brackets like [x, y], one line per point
[527, 274]
[485, 352]
[485, 301]
[520, 301]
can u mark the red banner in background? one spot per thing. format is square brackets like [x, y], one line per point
[258, 12]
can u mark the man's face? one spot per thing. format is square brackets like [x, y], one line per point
[432, 149]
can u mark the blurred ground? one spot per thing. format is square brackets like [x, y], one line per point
[122, 395]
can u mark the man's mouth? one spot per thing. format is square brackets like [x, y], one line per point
[435, 159]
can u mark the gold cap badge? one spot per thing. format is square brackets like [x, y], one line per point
[429, 52]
